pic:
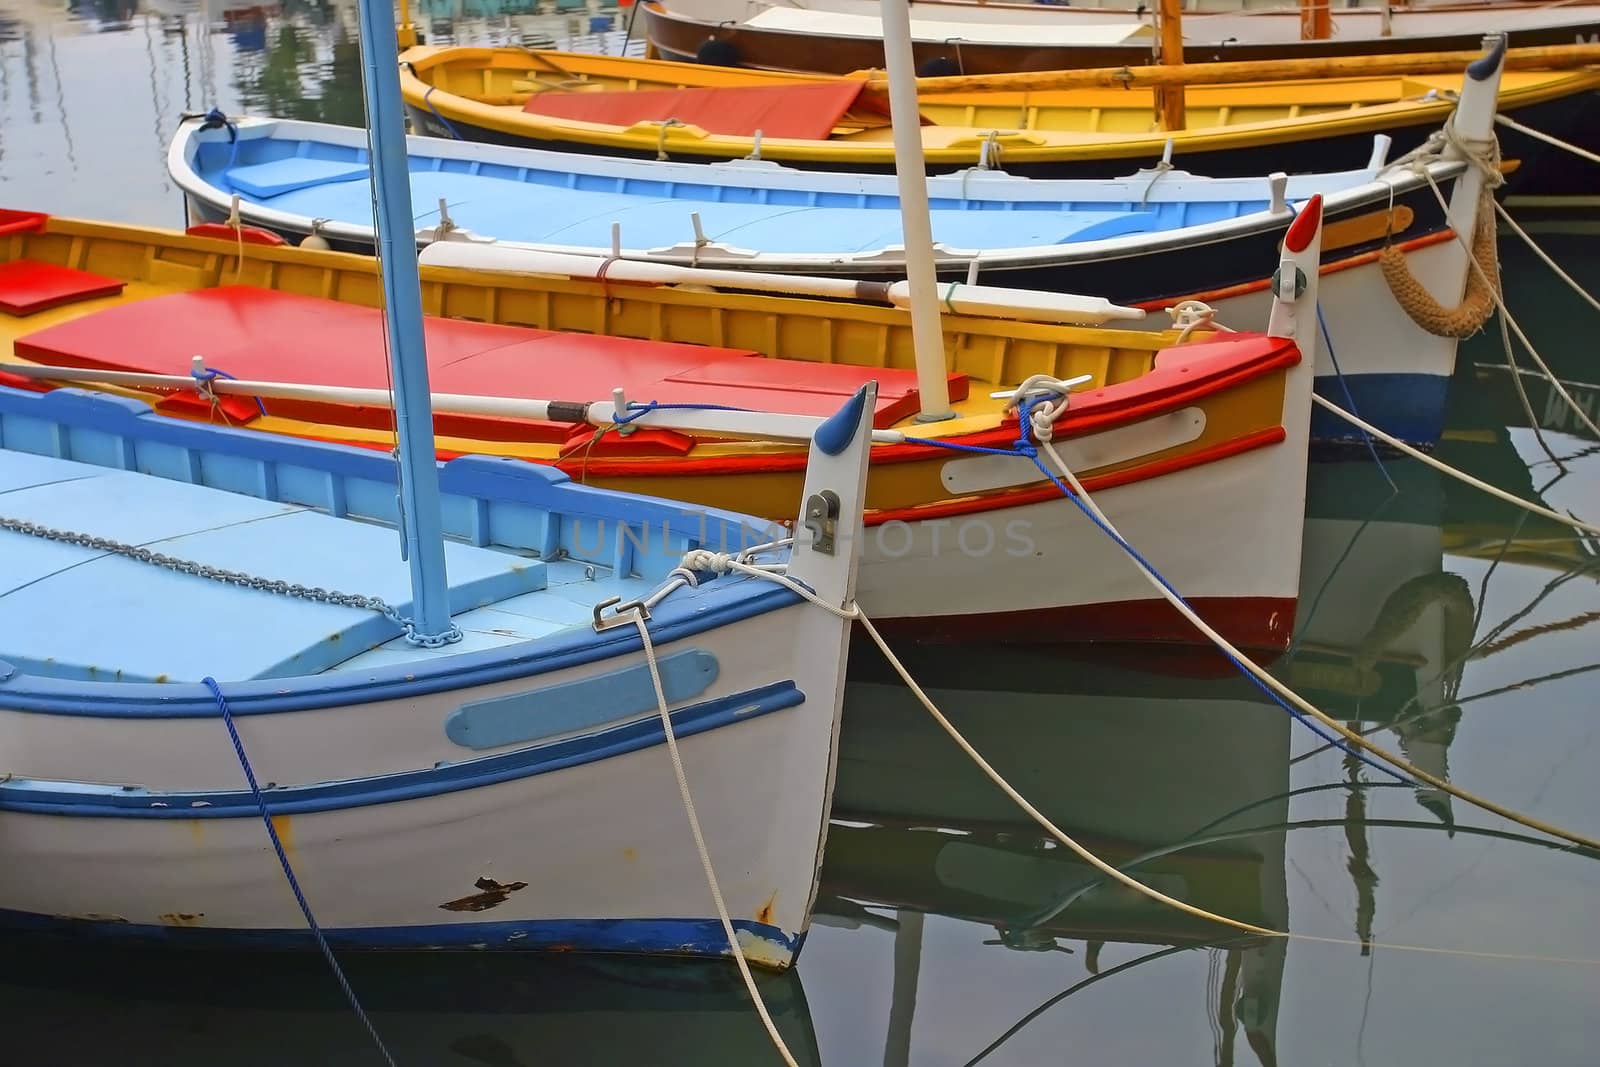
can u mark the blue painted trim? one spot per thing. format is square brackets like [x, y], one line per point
[579, 705]
[1412, 407]
[667, 936]
[688, 613]
[495, 478]
[1482, 68]
[835, 434]
[128, 802]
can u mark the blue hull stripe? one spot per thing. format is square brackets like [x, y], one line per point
[698, 937]
[1409, 406]
[107, 801]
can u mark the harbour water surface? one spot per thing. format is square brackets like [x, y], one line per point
[951, 930]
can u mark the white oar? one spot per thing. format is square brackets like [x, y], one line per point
[758, 424]
[987, 301]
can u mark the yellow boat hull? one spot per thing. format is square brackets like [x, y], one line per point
[1248, 128]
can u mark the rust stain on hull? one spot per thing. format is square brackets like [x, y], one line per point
[764, 913]
[284, 825]
[491, 894]
[183, 918]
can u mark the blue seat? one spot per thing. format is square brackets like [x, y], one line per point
[266, 180]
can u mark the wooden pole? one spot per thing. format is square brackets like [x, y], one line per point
[406, 35]
[1169, 99]
[1549, 57]
[1316, 20]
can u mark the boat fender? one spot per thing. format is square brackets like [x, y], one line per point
[314, 240]
[718, 53]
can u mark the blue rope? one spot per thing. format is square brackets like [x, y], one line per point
[209, 374]
[427, 99]
[1025, 447]
[639, 411]
[216, 120]
[288, 870]
[1350, 402]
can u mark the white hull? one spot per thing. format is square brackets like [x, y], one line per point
[1228, 530]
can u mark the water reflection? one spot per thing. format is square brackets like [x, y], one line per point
[950, 928]
[152, 1008]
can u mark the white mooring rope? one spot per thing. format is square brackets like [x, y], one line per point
[1461, 476]
[722, 562]
[1499, 301]
[1539, 135]
[700, 840]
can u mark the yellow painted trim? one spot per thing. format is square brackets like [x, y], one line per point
[1347, 104]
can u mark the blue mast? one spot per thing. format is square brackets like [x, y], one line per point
[402, 293]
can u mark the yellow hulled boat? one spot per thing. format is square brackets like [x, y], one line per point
[1196, 449]
[653, 108]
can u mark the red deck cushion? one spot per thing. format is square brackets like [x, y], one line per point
[804, 110]
[266, 335]
[27, 286]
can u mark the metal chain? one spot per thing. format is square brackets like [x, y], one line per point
[203, 570]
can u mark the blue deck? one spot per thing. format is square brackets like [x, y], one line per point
[321, 180]
[531, 553]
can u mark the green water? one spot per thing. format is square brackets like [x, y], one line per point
[950, 930]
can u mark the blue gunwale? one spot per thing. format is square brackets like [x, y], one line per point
[116, 425]
[81, 800]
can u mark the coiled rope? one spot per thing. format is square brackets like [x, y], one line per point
[1483, 284]
[1485, 156]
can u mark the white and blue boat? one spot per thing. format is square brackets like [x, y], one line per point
[222, 683]
[1150, 239]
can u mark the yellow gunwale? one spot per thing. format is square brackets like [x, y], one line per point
[946, 145]
[992, 352]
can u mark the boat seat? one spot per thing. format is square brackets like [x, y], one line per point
[28, 286]
[279, 176]
[803, 110]
[68, 611]
[241, 330]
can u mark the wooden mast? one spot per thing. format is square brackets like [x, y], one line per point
[1316, 20]
[1170, 99]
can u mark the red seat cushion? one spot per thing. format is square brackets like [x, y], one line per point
[804, 110]
[27, 286]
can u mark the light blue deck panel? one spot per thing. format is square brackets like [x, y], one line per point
[321, 180]
[72, 611]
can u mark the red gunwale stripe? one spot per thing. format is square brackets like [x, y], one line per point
[1246, 288]
[1047, 491]
[1003, 435]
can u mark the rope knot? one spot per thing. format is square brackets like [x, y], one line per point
[698, 560]
[1038, 402]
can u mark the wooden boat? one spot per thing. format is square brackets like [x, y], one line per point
[1214, 431]
[655, 109]
[1151, 239]
[461, 748]
[841, 36]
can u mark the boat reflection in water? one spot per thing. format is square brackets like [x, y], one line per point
[187, 1009]
[1170, 766]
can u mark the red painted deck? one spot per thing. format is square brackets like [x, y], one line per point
[266, 335]
[807, 111]
[27, 286]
